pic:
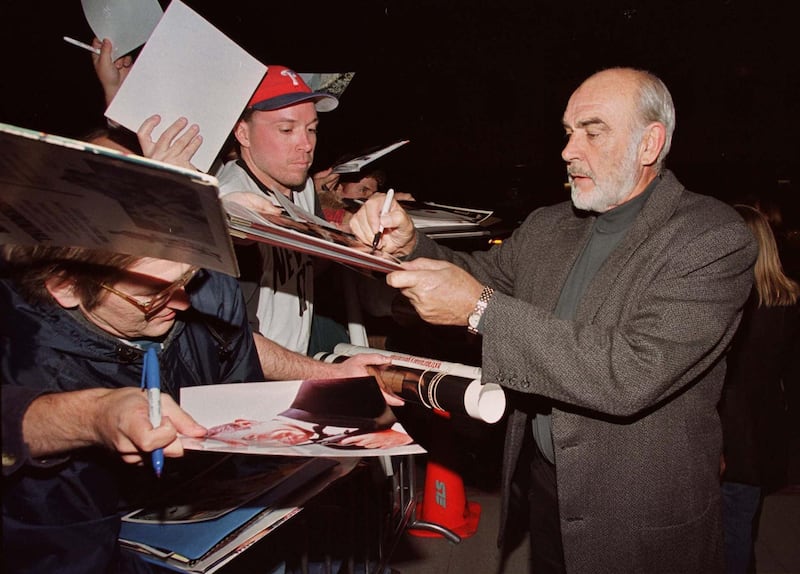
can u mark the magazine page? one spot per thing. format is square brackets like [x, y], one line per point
[66, 192]
[438, 385]
[314, 417]
[293, 231]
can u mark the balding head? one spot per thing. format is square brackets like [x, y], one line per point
[649, 97]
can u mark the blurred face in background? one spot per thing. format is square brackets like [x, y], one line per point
[361, 189]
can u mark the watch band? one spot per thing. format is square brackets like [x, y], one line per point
[475, 317]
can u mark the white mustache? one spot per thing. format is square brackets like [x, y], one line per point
[579, 173]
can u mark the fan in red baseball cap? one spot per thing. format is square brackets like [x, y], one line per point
[283, 87]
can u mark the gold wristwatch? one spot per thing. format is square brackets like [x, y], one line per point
[475, 317]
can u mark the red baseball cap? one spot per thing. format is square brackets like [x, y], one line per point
[282, 87]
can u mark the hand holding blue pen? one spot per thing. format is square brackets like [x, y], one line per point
[151, 382]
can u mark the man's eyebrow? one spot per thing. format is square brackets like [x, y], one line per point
[295, 121]
[591, 122]
[583, 124]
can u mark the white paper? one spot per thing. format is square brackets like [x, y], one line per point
[188, 69]
[127, 23]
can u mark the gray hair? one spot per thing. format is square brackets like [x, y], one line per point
[654, 104]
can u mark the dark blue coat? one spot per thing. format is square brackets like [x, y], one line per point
[63, 515]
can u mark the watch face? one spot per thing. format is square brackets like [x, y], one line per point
[473, 320]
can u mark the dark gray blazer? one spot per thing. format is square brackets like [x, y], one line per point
[635, 377]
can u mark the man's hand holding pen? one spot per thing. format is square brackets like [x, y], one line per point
[398, 236]
[122, 423]
[441, 293]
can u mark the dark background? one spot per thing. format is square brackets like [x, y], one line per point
[478, 87]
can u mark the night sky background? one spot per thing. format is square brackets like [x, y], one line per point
[478, 87]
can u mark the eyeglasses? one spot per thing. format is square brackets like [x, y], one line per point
[160, 299]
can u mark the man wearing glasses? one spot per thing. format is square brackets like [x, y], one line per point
[75, 326]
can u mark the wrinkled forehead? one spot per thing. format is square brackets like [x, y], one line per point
[608, 98]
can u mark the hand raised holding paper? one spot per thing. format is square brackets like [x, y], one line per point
[176, 145]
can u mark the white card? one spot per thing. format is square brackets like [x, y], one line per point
[188, 69]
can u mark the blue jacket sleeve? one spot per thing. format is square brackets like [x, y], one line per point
[15, 401]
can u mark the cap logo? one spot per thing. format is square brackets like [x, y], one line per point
[292, 75]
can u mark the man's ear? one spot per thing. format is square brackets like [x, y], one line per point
[242, 133]
[653, 142]
[63, 291]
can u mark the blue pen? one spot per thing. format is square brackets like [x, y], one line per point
[151, 382]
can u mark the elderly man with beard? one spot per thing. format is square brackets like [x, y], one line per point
[606, 320]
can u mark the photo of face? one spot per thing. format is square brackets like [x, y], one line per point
[275, 432]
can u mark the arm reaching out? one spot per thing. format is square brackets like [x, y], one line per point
[118, 419]
[279, 363]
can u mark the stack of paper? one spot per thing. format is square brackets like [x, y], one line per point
[206, 522]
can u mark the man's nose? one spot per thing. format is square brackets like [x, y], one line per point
[179, 301]
[571, 149]
[306, 142]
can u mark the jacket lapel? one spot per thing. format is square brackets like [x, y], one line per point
[659, 207]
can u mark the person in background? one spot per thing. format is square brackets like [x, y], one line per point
[277, 136]
[607, 320]
[352, 186]
[362, 185]
[76, 326]
[762, 364]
